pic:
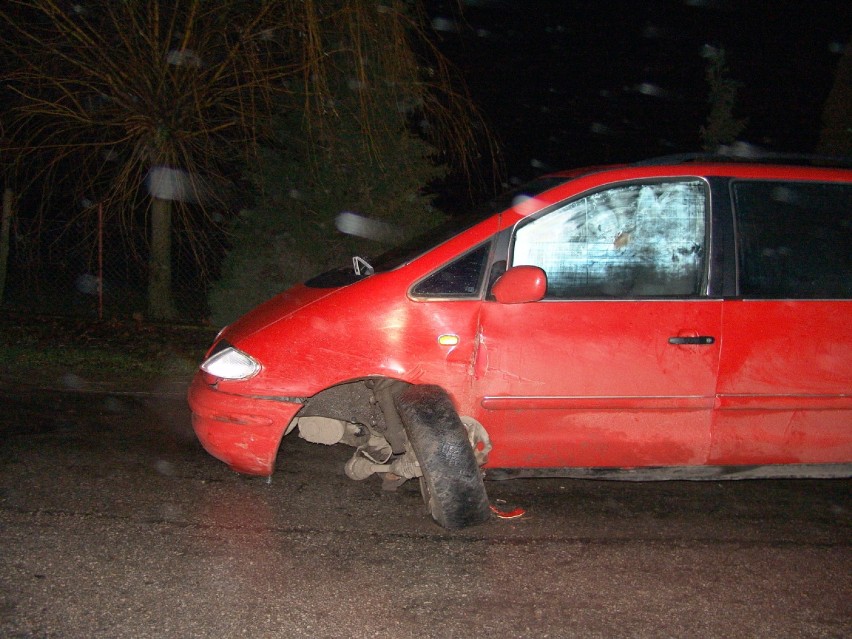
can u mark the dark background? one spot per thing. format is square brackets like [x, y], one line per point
[560, 83]
[569, 83]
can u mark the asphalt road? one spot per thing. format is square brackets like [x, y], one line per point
[114, 523]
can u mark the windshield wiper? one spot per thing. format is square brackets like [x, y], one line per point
[362, 266]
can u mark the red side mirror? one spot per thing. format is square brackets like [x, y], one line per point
[520, 284]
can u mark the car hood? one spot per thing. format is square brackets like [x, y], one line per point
[278, 308]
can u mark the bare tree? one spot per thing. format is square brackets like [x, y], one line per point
[156, 106]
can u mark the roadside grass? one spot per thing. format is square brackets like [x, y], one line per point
[68, 352]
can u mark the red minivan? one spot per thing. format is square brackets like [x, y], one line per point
[675, 319]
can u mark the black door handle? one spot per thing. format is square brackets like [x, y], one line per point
[702, 340]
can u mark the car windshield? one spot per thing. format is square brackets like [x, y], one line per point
[417, 246]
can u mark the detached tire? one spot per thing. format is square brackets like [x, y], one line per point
[454, 491]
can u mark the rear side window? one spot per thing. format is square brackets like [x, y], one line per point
[628, 241]
[795, 239]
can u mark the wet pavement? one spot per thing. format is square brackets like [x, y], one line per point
[115, 523]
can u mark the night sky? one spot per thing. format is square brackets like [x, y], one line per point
[570, 83]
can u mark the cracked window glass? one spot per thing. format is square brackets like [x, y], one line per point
[634, 240]
[460, 278]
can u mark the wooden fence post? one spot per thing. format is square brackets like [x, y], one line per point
[5, 226]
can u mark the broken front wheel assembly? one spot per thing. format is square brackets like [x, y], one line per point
[452, 481]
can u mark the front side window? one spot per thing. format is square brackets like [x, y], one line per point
[632, 240]
[795, 239]
[461, 278]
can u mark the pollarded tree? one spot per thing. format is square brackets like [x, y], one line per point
[141, 102]
[159, 106]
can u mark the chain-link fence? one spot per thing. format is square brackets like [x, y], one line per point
[58, 268]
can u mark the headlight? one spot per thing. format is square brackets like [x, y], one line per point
[230, 363]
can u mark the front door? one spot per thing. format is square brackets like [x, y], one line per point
[617, 366]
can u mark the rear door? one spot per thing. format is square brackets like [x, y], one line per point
[785, 384]
[617, 366]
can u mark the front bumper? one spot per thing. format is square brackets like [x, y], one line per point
[244, 432]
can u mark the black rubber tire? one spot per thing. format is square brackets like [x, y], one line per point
[455, 494]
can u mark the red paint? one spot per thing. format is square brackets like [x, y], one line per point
[557, 383]
[520, 285]
[240, 431]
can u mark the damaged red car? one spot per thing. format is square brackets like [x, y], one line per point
[676, 319]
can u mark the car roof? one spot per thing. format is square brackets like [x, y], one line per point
[765, 166]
